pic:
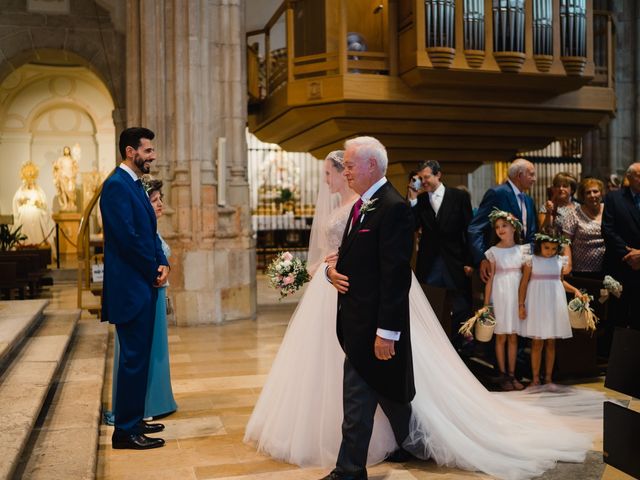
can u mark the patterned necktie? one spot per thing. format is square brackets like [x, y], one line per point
[356, 212]
[523, 208]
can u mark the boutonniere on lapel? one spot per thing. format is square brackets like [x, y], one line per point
[368, 206]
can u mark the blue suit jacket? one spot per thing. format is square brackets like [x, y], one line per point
[132, 248]
[504, 198]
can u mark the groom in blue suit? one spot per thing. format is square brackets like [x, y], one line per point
[509, 197]
[134, 266]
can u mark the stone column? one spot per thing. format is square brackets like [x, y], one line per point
[624, 146]
[186, 81]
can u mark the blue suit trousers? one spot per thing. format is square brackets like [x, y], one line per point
[135, 339]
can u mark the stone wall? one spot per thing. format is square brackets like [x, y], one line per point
[186, 81]
[177, 67]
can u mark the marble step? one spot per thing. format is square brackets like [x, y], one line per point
[17, 319]
[26, 381]
[64, 442]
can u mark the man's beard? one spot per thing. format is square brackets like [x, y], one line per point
[141, 164]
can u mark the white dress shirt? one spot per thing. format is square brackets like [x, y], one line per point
[131, 173]
[381, 332]
[436, 197]
[366, 196]
[522, 204]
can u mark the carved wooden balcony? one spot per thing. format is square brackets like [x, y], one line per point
[467, 81]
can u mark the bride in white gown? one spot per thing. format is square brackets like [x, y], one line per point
[455, 421]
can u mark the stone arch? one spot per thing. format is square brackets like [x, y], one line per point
[90, 34]
[48, 56]
[42, 107]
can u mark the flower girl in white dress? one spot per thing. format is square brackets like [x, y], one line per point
[501, 291]
[455, 421]
[545, 308]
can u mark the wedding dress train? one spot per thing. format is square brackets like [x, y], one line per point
[455, 421]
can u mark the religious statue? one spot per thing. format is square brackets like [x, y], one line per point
[65, 170]
[30, 207]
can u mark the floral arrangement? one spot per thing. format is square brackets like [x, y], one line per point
[484, 316]
[496, 214]
[611, 286]
[287, 273]
[581, 307]
[560, 239]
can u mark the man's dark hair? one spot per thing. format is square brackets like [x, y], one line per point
[130, 137]
[434, 165]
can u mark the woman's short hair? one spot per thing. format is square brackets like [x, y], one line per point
[565, 178]
[151, 185]
[587, 183]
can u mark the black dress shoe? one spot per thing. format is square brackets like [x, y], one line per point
[400, 456]
[135, 442]
[343, 476]
[146, 428]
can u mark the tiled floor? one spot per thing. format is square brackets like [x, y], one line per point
[217, 374]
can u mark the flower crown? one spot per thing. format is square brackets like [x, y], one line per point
[543, 237]
[147, 182]
[508, 217]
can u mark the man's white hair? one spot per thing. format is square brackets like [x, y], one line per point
[518, 166]
[369, 147]
[632, 167]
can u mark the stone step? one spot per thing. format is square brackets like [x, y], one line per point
[64, 442]
[17, 319]
[63, 275]
[26, 381]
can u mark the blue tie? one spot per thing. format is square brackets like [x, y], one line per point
[523, 208]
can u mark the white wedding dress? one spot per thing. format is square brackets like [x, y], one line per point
[456, 421]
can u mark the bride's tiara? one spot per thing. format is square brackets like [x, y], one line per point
[337, 157]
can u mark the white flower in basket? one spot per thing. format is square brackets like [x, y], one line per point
[484, 323]
[287, 273]
[581, 314]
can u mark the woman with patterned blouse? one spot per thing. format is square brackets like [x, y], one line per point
[582, 226]
[561, 205]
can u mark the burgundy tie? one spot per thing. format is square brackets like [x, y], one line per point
[356, 212]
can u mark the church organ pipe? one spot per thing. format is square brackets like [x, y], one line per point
[573, 23]
[439, 21]
[474, 24]
[542, 27]
[508, 25]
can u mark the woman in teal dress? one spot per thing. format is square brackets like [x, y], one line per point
[159, 401]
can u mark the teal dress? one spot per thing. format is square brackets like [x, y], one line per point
[159, 400]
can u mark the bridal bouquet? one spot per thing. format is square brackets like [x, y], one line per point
[484, 322]
[611, 287]
[581, 314]
[287, 273]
